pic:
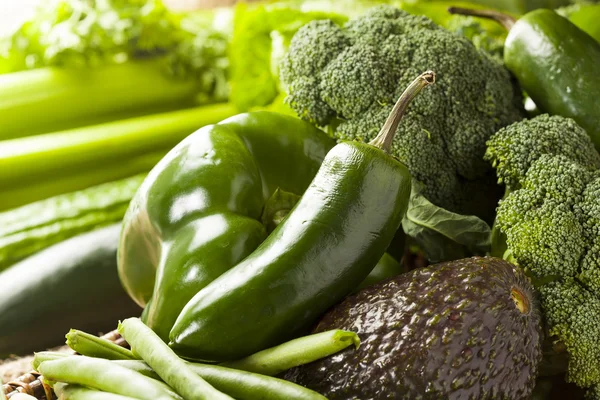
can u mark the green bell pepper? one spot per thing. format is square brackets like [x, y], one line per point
[199, 211]
[555, 62]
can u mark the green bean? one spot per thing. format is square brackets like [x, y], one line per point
[104, 375]
[241, 385]
[172, 369]
[42, 356]
[296, 352]
[139, 366]
[94, 346]
[76, 392]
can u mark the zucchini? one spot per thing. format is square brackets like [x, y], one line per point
[33, 227]
[71, 284]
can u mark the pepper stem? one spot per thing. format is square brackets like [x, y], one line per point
[385, 137]
[505, 20]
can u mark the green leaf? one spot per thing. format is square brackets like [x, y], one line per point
[441, 234]
[261, 36]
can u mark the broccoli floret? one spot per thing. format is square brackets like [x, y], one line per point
[573, 316]
[348, 78]
[593, 393]
[547, 241]
[513, 149]
[550, 218]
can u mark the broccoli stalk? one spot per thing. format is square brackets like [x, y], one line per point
[549, 224]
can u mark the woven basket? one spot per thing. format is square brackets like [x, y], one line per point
[32, 383]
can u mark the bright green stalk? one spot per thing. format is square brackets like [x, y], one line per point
[96, 152]
[51, 99]
[80, 179]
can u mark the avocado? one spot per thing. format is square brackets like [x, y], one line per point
[464, 329]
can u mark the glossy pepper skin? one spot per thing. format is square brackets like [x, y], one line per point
[555, 62]
[198, 212]
[326, 246]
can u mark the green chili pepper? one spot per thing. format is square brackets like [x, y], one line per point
[198, 213]
[324, 248]
[555, 62]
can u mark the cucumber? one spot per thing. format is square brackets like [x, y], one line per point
[73, 284]
[28, 229]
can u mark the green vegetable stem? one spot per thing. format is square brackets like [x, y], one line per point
[555, 62]
[73, 98]
[27, 163]
[326, 246]
[76, 63]
[173, 370]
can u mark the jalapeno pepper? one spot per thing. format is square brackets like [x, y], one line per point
[555, 62]
[325, 247]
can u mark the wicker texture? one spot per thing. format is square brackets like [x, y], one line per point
[32, 383]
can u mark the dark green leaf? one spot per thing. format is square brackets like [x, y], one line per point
[441, 234]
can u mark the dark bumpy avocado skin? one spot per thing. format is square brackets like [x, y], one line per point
[448, 331]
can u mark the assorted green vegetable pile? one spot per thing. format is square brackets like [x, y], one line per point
[303, 199]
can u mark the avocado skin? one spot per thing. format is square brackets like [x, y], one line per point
[447, 331]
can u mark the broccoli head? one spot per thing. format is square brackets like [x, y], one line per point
[348, 77]
[512, 150]
[550, 219]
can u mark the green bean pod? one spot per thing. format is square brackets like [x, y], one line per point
[40, 357]
[241, 385]
[106, 376]
[172, 369]
[76, 392]
[94, 346]
[296, 352]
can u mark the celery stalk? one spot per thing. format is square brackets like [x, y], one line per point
[51, 99]
[11, 197]
[41, 166]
